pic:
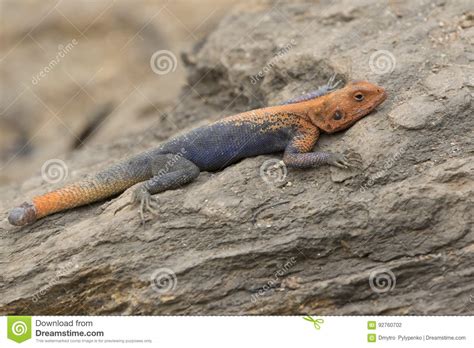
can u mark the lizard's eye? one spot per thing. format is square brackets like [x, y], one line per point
[359, 96]
[337, 116]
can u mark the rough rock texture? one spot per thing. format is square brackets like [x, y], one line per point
[395, 237]
[68, 65]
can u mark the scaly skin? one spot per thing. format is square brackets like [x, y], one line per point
[292, 127]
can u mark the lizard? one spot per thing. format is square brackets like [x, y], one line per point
[292, 127]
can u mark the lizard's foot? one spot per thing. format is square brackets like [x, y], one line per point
[332, 84]
[345, 160]
[147, 202]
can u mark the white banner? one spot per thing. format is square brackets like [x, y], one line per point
[236, 331]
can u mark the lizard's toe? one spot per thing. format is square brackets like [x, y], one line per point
[337, 160]
[147, 203]
[333, 83]
[353, 159]
[341, 164]
[151, 205]
[345, 161]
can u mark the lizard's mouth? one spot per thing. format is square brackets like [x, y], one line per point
[365, 111]
[382, 98]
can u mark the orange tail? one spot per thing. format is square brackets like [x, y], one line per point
[106, 184]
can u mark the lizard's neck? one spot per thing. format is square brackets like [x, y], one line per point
[313, 111]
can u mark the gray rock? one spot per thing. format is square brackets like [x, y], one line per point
[416, 113]
[446, 81]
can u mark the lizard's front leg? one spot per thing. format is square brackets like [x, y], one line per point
[331, 85]
[298, 153]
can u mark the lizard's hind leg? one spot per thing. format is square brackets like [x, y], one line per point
[170, 171]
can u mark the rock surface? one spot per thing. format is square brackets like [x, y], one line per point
[395, 237]
[70, 65]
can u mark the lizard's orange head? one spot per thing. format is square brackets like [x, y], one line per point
[342, 108]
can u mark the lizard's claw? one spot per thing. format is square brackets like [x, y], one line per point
[345, 161]
[146, 202]
[332, 84]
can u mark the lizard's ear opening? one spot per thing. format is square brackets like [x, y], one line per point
[338, 116]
